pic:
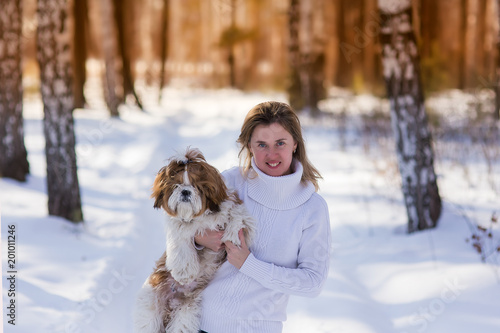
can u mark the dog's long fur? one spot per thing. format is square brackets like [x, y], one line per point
[194, 195]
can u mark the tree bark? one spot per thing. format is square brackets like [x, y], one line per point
[13, 156]
[412, 135]
[497, 90]
[311, 62]
[463, 45]
[128, 79]
[294, 87]
[110, 78]
[230, 49]
[54, 58]
[307, 59]
[80, 14]
[470, 43]
[344, 72]
[164, 45]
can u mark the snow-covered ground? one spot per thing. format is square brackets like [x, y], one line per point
[84, 278]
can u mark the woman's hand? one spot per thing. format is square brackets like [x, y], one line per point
[237, 255]
[210, 239]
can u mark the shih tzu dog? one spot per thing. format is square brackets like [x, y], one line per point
[194, 195]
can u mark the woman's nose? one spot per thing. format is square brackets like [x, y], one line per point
[272, 151]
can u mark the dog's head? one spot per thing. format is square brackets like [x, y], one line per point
[188, 186]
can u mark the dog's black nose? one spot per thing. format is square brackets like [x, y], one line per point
[186, 193]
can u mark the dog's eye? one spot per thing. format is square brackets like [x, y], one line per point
[173, 174]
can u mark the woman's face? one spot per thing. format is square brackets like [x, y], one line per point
[272, 147]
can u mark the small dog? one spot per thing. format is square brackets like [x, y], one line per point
[194, 195]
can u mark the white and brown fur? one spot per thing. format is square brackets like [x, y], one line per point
[194, 195]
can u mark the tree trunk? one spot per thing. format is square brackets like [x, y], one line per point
[110, 78]
[80, 14]
[413, 138]
[307, 59]
[311, 61]
[230, 49]
[128, 79]
[13, 155]
[54, 58]
[294, 87]
[164, 44]
[470, 43]
[371, 61]
[463, 45]
[497, 104]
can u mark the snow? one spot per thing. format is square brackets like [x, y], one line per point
[84, 278]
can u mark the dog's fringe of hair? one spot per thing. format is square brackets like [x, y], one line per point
[189, 155]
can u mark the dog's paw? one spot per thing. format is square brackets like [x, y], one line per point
[182, 277]
[185, 274]
[231, 235]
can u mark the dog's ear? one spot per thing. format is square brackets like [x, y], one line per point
[217, 192]
[159, 187]
[213, 206]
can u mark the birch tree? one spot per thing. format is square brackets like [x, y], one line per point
[409, 120]
[13, 155]
[54, 58]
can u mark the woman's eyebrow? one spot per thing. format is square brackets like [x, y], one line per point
[277, 140]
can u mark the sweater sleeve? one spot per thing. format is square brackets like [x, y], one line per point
[313, 259]
[232, 177]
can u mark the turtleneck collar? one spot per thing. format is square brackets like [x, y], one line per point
[281, 193]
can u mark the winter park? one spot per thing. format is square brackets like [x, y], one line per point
[398, 103]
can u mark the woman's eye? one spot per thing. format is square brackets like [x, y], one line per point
[279, 144]
[262, 145]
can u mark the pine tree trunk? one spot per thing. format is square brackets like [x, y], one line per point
[497, 104]
[80, 13]
[13, 155]
[344, 73]
[470, 43]
[164, 44]
[54, 58]
[128, 79]
[463, 45]
[294, 87]
[230, 49]
[307, 59]
[110, 78]
[412, 135]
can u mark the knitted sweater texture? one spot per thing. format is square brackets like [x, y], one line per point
[289, 256]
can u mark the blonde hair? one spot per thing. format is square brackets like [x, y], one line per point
[268, 113]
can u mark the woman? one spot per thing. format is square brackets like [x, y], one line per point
[290, 253]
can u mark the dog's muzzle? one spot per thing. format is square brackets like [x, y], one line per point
[186, 196]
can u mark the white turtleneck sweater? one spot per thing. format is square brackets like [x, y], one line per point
[289, 256]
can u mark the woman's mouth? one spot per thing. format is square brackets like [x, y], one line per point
[273, 165]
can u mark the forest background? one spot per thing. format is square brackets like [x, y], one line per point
[457, 39]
